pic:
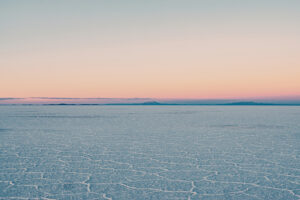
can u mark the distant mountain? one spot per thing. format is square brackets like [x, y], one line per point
[143, 103]
[247, 103]
[151, 103]
[146, 101]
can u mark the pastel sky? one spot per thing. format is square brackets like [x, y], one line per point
[155, 49]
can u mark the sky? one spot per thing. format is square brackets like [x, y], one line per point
[193, 49]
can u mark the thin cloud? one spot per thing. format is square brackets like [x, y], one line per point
[5, 99]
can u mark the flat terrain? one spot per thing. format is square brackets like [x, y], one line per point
[150, 152]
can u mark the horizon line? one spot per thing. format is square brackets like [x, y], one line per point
[290, 97]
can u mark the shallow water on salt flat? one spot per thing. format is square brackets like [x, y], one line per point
[150, 152]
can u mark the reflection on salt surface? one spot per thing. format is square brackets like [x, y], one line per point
[254, 126]
[149, 152]
[64, 116]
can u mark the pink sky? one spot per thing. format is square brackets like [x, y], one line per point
[176, 50]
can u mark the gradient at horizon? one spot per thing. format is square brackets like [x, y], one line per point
[156, 49]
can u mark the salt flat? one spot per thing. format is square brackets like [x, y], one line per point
[149, 152]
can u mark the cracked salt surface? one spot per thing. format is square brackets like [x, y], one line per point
[149, 152]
